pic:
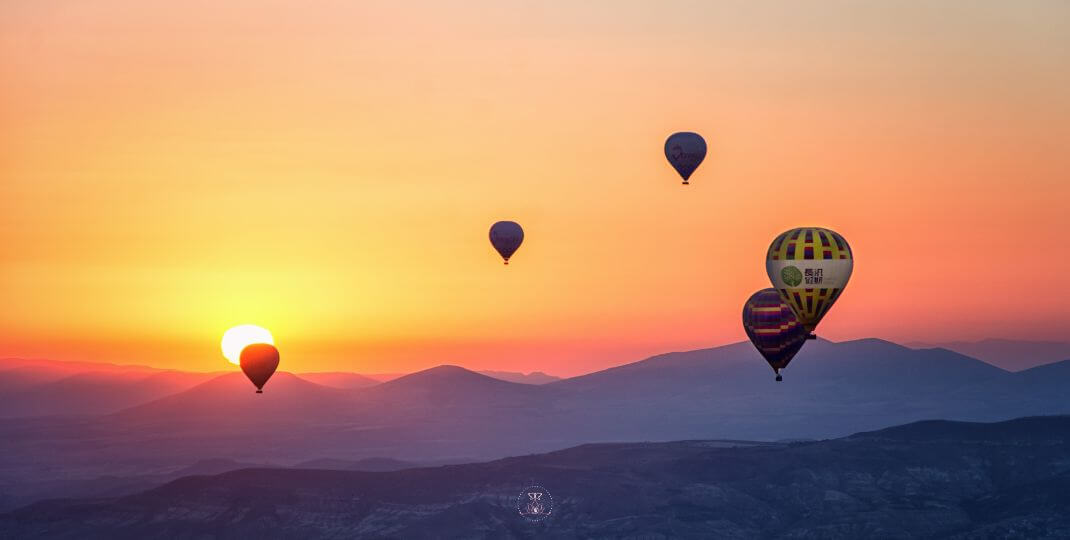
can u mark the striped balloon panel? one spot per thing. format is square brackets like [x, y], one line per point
[810, 304]
[810, 266]
[809, 243]
[773, 327]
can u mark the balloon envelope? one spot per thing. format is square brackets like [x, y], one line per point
[773, 328]
[809, 266]
[259, 361]
[506, 237]
[685, 151]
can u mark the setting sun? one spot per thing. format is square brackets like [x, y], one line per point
[240, 337]
[815, 254]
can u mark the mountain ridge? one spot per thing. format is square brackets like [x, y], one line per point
[943, 479]
[1009, 354]
[450, 413]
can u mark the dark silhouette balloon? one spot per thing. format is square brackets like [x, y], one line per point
[506, 237]
[685, 151]
[772, 327]
[259, 361]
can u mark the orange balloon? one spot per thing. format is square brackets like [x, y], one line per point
[259, 361]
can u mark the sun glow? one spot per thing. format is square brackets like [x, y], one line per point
[240, 337]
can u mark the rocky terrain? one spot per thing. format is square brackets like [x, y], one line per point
[933, 479]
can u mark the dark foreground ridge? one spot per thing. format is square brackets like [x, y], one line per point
[932, 479]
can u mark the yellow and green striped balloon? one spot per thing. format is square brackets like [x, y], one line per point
[809, 267]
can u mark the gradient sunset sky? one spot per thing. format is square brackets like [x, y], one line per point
[329, 170]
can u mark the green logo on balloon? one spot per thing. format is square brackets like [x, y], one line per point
[791, 276]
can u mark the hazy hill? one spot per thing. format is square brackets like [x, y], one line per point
[58, 389]
[366, 464]
[451, 397]
[17, 379]
[535, 377]
[668, 371]
[452, 384]
[830, 389]
[1029, 430]
[342, 380]
[1009, 354]
[738, 370]
[931, 479]
[1052, 373]
[450, 413]
[383, 377]
[726, 392]
[231, 399]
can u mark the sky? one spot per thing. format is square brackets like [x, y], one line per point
[329, 171]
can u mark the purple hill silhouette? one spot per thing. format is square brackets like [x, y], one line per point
[450, 413]
[339, 379]
[1009, 354]
[932, 479]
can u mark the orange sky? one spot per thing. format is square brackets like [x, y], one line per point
[170, 169]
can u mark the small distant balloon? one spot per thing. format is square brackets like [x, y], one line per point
[809, 267]
[259, 362]
[506, 237]
[685, 151]
[773, 328]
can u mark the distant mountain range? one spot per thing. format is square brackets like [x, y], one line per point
[535, 377]
[932, 479]
[353, 380]
[46, 387]
[341, 380]
[1009, 354]
[452, 414]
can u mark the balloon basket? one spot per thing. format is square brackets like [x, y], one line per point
[811, 336]
[259, 391]
[779, 378]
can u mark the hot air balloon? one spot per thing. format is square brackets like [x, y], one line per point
[259, 361]
[506, 237]
[685, 151]
[809, 267]
[773, 328]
